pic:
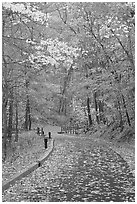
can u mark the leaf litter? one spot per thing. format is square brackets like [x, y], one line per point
[77, 170]
[26, 154]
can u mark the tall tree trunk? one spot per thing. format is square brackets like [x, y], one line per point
[27, 123]
[125, 107]
[10, 116]
[5, 129]
[16, 123]
[89, 112]
[29, 119]
[96, 107]
[27, 115]
[63, 100]
[65, 106]
[121, 124]
[61, 105]
[124, 104]
[88, 99]
[101, 111]
[4, 96]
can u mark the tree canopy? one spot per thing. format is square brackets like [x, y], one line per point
[67, 61]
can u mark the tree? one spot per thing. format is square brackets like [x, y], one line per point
[68, 61]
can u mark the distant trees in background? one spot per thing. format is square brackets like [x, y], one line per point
[67, 62]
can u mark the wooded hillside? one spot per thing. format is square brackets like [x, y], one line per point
[67, 63]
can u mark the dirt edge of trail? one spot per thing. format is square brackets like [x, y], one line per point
[125, 150]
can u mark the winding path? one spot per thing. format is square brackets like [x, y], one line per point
[79, 170]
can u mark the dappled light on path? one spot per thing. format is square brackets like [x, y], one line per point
[94, 174]
[79, 170]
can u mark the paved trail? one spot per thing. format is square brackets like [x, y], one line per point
[78, 170]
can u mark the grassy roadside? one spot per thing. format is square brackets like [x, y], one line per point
[114, 139]
[31, 146]
[27, 151]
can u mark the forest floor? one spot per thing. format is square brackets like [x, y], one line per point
[27, 151]
[125, 149]
[67, 148]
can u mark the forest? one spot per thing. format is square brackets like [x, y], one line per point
[67, 64]
[68, 71]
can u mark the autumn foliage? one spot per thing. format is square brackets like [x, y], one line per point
[67, 63]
